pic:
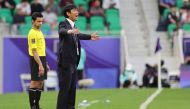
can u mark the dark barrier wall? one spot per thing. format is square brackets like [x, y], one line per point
[102, 54]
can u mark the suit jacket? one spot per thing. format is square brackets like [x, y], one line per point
[67, 53]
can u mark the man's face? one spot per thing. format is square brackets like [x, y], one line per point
[37, 1]
[51, 1]
[81, 8]
[173, 9]
[38, 22]
[73, 14]
[186, 3]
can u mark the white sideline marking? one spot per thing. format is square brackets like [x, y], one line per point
[150, 99]
[90, 103]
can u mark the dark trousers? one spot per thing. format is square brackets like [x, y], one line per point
[67, 84]
[80, 74]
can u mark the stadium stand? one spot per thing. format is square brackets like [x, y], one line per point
[139, 22]
[28, 20]
[109, 24]
[5, 15]
[24, 29]
[96, 23]
[81, 23]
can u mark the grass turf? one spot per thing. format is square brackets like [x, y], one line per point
[172, 99]
[119, 99]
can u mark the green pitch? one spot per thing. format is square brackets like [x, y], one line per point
[106, 99]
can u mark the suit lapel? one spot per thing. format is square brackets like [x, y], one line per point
[68, 24]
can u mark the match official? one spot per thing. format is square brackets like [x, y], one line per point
[38, 65]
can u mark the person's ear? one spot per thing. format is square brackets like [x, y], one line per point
[68, 13]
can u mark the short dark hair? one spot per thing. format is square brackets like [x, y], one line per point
[68, 8]
[35, 15]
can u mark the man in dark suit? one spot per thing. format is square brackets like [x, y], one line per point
[68, 57]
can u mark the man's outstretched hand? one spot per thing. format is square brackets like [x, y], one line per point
[94, 36]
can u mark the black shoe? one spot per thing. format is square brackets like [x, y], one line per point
[34, 107]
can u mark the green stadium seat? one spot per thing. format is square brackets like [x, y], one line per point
[179, 3]
[115, 27]
[83, 2]
[81, 23]
[114, 23]
[60, 18]
[186, 27]
[166, 12]
[112, 12]
[5, 15]
[24, 29]
[77, 2]
[17, 1]
[170, 30]
[57, 1]
[28, 20]
[45, 28]
[113, 19]
[171, 27]
[97, 23]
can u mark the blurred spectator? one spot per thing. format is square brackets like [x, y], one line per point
[23, 9]
[164, 75]
[173, 17]
[83, 12]
[2, 5]
[36, 6]
[44, 2]
[185, 16]
[54, 7]
[10, 4]
[150, 76]
[186, 4]
[128, 78]
[50, 17]
[111, 4]
[96, 10]
[80, 68]
[92, 3]
[65, 2]
[163, 4]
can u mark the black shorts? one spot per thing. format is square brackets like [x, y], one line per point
[34, 68]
